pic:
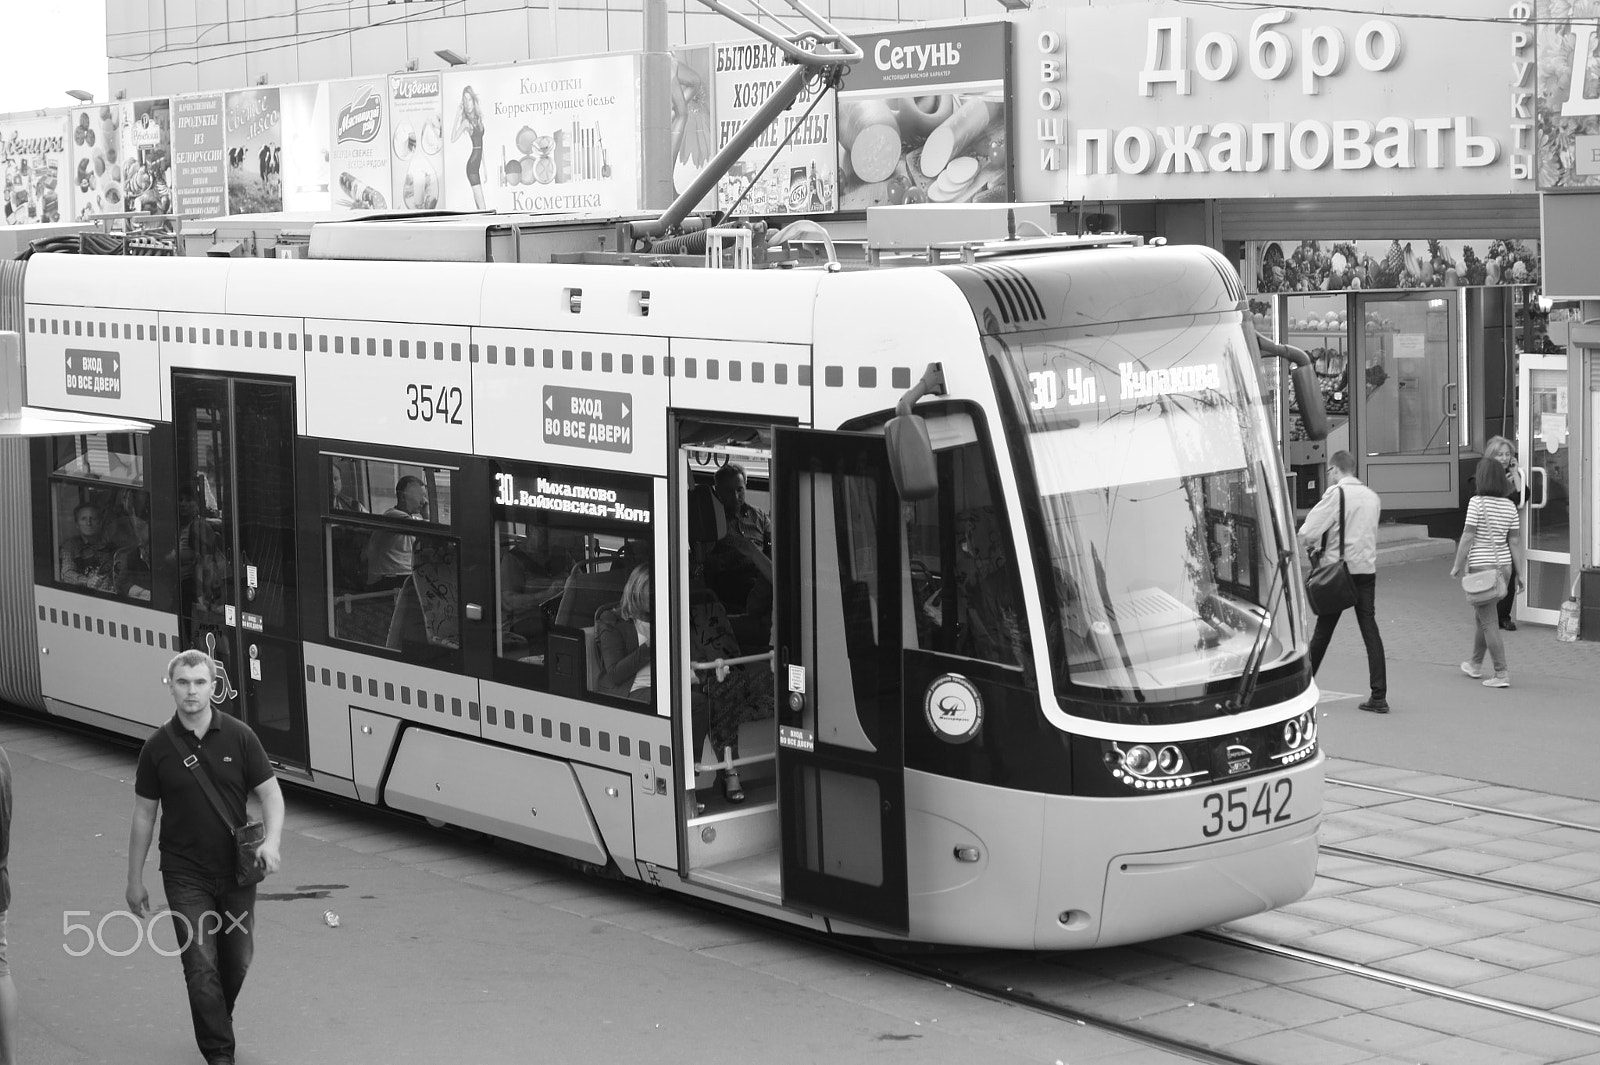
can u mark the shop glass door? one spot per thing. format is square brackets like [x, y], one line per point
[1546, 461]
[1407, 397]
[238, 583]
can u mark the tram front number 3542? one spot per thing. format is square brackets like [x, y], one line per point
[1237, 810]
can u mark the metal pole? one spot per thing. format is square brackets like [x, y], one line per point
[656, 117]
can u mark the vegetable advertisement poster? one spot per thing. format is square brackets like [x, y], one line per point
[923, 118]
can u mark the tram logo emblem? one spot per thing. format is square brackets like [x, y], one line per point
[953, 708]
[1239, 758]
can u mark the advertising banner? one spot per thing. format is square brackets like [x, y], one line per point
[147, 157]
[358, 144]
[694, 119]
[305, 146]
[200, 157]
[1403, 262]
[560, 136]
[97, 159]
[923, 118]
[802, 177]
[415, 140]
[1167, 99]
[1567, 109]
[34, 168]
[255, 151]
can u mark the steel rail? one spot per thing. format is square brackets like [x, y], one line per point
[1479, 807]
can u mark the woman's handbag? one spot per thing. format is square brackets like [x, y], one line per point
[247, 838]
[1329, 587]
[1484, 586]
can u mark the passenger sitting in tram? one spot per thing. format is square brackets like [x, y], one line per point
[739, 565]
[623, 635]
[87, 556]
[133, 564]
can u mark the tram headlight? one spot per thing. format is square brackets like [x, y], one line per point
[1169, 759]
[1139, 759]
[1291, 733]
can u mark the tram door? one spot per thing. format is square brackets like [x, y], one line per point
[1547, 468]
[239, 582]
[841, 754]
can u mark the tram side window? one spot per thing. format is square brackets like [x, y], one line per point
[574, 582]
[100, 514]
[965, 588]
[393, 563]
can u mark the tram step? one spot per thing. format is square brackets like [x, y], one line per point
[721, 838]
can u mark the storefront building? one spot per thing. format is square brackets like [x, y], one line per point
[1371, 173]
[1561, 388]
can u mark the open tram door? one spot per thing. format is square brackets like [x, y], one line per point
[841, 739]
[239, 581]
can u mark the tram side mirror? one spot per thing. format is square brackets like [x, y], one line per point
[1303, 378]
[911, 463]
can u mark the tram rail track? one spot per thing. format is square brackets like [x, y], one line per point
[1499, 811]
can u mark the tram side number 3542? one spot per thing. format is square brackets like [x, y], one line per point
[1236, 810]
[429, 403]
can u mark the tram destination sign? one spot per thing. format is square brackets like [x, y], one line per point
[586, 417]
[94, 373]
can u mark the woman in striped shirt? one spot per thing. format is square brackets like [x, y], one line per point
[1487, 542]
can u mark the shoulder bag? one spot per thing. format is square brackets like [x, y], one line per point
[1329, 587]
[1484, 586]
[247, 838]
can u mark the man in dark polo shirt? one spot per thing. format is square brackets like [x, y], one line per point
[213, 917]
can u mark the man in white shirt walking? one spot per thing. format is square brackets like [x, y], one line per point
[1362, 508]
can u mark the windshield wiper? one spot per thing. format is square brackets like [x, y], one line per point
[1258, 646]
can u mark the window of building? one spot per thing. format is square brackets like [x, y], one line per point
[575, 598]
[393, 556]
[100, 514]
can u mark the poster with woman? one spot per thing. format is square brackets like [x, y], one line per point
[97, 159]
[694, 119]
[305, 146]
[147, 157]
[253, 121]
[560, 137]
[33, 158]
[414, 144]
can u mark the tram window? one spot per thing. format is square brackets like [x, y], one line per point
[100, 514]
[391, 584]
[965, 590]
[574, 594]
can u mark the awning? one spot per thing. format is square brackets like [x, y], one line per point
[31, 421]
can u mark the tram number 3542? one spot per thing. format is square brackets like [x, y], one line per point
[1237, 810]
[430, 403]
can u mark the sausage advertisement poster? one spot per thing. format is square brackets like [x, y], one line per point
[199, 157]
[799, 178]
[33, 169]
[413, 146]
[254, 125]
[147, 157]
[546, 137]
[923, 118]
[358, 145]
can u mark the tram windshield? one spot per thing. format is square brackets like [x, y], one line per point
[1161, 506]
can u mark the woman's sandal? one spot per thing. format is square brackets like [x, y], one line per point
[730, 787]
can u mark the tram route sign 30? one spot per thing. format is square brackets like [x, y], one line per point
[586, 417]
[94, 373]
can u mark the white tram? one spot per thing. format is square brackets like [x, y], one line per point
[1053, 693]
